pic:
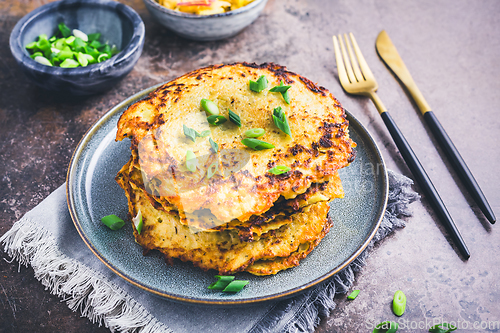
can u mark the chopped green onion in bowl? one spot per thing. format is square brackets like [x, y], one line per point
[70, 49]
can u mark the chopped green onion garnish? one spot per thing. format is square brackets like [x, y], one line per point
[234, 118]
[221, 283]
[280, 169]
[216, 120]
[43, 61]
[93, 37]
[204, 133]
[138, 222]
[256, 144]
[353, 295]
[79, 48]
[283, 90]
[65, 31]
[212, 169]
[82, 60]
[80, 34]
[399, 303]
[442, 328]
[102, 57]
[210, 107]
[189, 132]
[191, 161]
[286, 97]
[113, 222]
[386, 327]
[260, 85]
[214, 145]
[31, 45]
[254, 132]
[281, 121]
[235, 286]
[68, 63]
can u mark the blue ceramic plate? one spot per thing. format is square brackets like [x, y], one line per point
[93, 193]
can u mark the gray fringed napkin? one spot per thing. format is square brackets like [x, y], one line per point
[46, 239]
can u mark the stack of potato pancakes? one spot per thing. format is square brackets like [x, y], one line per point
[208, 198]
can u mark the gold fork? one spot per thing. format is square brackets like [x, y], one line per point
[356, 78]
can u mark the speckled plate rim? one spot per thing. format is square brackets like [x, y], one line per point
[301, 288]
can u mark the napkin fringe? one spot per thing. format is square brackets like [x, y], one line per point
[304, 314]
[82, 288]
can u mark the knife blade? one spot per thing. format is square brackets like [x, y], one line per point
[389, 54]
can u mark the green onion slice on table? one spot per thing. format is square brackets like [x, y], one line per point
[113, 222]
[386, 327]
[399, 303]
[442, 328]
[353, 295]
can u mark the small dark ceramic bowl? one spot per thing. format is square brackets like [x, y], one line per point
[206, 27]
[118, 24]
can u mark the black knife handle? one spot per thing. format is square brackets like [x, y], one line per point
[425, 183]
[459, 165]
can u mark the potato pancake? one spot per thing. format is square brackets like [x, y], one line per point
[319, 144]
[224, 251]
[242, 185]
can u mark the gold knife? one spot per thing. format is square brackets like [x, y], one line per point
[387, 51]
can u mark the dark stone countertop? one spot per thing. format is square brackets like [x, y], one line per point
[452, 50]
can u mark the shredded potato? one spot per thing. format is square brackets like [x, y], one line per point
[204, 7]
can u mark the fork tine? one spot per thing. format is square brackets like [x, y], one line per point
[354, 63]
[340, 64]
[348, 66]
[361, 60]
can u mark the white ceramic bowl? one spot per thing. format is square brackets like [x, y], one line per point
[206, 27]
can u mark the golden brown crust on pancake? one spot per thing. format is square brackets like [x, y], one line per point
[320, 144]
[223, 251]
